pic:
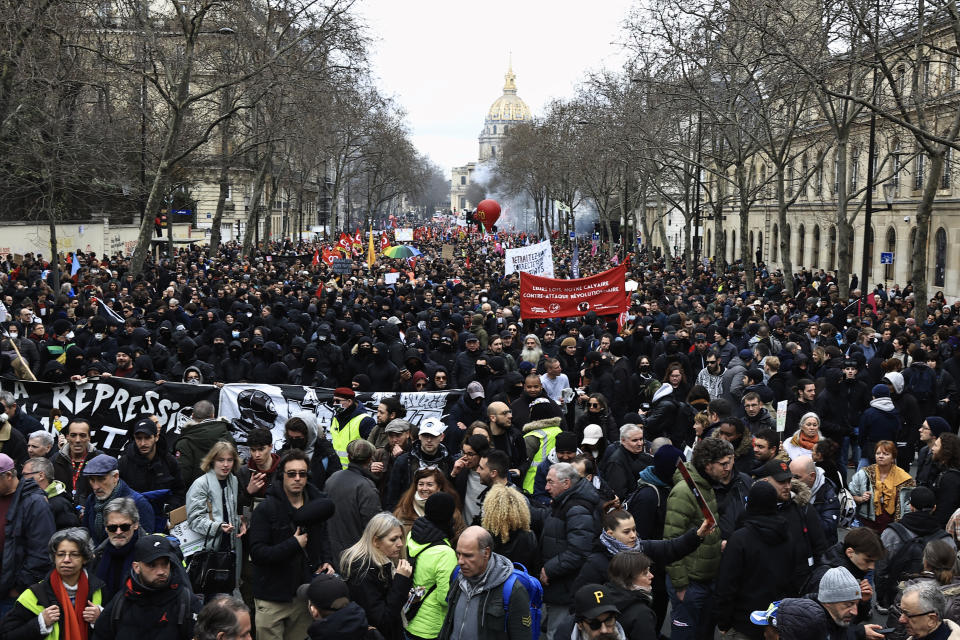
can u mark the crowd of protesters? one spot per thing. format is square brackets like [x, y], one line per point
[724, 457]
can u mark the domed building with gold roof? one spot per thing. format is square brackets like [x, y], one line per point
[506, 111]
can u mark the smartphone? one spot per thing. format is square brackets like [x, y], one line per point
[885, 631]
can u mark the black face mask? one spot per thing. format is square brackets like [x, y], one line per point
[297, 443]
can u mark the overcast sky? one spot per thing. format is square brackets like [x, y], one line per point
[444, 61]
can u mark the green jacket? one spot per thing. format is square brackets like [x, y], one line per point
[683, 512]
[195, 442]
[434, 566]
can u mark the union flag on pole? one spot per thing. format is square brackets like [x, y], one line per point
[316, 257]
[384, 241]
[329, 255]
[358, 240]
[343, 244]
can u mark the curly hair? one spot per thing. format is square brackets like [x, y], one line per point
[710, 450]
[949, 454]
[505, 510]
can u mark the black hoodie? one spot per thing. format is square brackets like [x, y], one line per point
[348, 623]
[149, 614]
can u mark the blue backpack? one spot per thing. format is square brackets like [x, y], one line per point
[534, 591]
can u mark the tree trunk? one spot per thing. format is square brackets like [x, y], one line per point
[664, 240]
[687, 242]
[844, 224]
[224, 174]
[719, 239]
[253, 214]
[924, 214]
[787, 266]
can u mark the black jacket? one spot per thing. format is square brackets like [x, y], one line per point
[731, 502]
[756, 568]
[660, 552]
[349, 623]
[835, 557]
[947, 490]
[382, 597]
[401, 477]
[149, 614]
[637, 616]
[567, 539]
[163, 472]
[806, 534]
[522, 547]
[620, 469]
[280, 565]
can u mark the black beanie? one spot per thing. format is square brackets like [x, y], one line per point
[567, 442]
[762, 499]
[439, 510]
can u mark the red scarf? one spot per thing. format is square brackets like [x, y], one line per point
[807, 442]
[72, 623]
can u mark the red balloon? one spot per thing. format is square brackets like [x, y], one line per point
[488, 211]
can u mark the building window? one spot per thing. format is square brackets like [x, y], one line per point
[493, 152]
[505, 128]
[832, 255]
[815, 261]
[939, 270]
[895, 175]
[775, 248]
[229, 192]
[801, 242]
[463, 180]
[918, 172]
[494, 128]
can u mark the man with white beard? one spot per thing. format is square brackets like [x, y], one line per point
[531, 351]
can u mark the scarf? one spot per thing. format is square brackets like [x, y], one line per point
[72, 623]
[803, 440]
[614, 546]
[885, 492]
[98, 506]
[114, 565]
[419, 505]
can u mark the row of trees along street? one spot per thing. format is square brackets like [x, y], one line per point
[107, 107]
[730, 108]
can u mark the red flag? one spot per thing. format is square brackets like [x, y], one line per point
[344, 241]
[384, 241]
[872, 301]
[358, 239]
[468, 262]
[316, 257]
[329, 255]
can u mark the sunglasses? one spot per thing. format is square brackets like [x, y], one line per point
[113, 528]
[597, 623]
[595, 405]
[296, 474]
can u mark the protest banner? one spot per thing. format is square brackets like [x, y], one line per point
[112, 405]
[604, 294]
[535, 259]
[404, 234]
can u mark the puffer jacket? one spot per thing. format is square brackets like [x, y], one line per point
[731, 502]
[683, 512]
[567, 538]
[381, 595]
[477, 610]
[435, 562]
[637, 616]
[823, 497]
[806, 618]
[194, 442]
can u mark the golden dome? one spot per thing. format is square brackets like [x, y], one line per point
[509, 106]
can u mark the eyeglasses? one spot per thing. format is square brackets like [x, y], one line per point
[25, 474]
[296, 474]
[897, 611]
[594, 405]
[60, 555]
[597, 623]
[113, 528]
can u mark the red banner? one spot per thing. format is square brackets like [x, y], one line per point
[604, 294]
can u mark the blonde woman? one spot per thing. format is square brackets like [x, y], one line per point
[378, 575]
[506, 515]
[212, 507]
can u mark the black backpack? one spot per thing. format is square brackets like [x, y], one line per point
[922, 383]
[906, 561]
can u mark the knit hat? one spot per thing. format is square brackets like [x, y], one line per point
[567, 442]
[439, 510]
[568, 342]
[541, 408]
[762, 499]
[838, 585]
[665, 462]
[880, 391]
[938, 426]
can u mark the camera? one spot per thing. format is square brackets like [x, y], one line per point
[906, 218]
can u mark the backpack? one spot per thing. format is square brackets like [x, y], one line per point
[922, 383]
[534, 591]
[417, 595]
[848, 508]
[909, 557]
